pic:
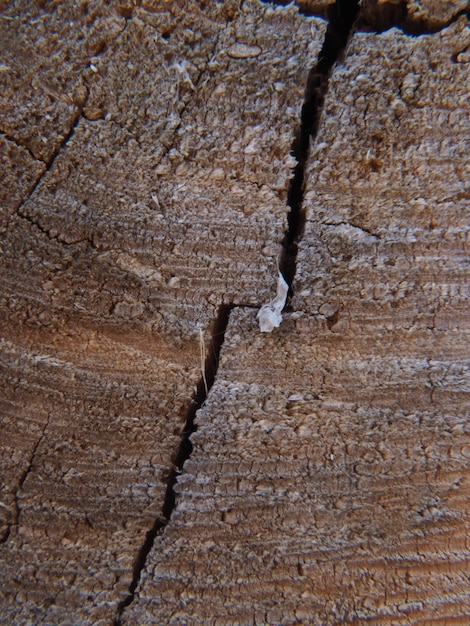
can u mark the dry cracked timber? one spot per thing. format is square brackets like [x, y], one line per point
[162, 461]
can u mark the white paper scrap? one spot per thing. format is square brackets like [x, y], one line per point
[269, 316]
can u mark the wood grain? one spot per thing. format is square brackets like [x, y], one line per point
[146, 160]
[154, 210]
[330, 472]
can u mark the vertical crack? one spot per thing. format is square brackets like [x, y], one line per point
[208, 374]
[342, 16]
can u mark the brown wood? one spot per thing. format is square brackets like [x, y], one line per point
[146, 170]
[330, 472]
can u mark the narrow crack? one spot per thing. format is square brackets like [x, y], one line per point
[208, 374]
[49, 165]
[430, 382]
[342, 16]
[50, 162]
[80, 113]
[24, 476]
[363, 229]
[49, 232]
[68, 136]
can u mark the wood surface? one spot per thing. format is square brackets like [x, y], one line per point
[329, 479]
[147, 154]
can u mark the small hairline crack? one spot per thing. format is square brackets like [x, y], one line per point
[16, 520]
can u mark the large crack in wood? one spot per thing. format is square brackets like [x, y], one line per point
[304, 7]
[343, 16]
[341, 19]
[317, 86]
[209, 368]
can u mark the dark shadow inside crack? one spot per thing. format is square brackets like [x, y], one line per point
[209, 366]
[342, 16]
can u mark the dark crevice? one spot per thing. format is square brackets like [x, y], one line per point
[342, 16]
[417, 27]
[211, 363]
[304, 7]
[377, 18]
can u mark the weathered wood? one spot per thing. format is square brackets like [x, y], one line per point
[417, 16]
[329, 478]
[196, 131]
[326, 486]
[90, 422]
[20, 171]
[435, 12]
[156, 211]
[46, 53]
